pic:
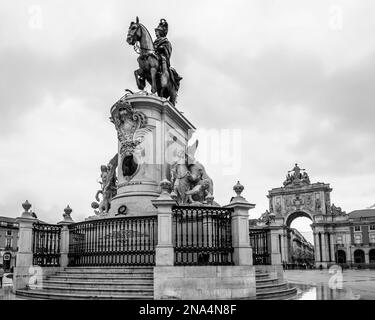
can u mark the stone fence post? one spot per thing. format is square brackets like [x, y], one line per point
[275, 234]
[243, 253]
[164, 255]
[64, 240]
[24, 259]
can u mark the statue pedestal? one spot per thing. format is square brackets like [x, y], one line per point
[151, 131]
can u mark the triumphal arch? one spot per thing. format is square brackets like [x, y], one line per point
[298, 197]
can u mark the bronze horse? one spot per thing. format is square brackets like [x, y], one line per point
[149, 64]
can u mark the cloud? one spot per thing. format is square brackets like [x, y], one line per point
[92, 73]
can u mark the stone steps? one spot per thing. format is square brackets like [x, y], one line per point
[128, 284]
[259, 276]
[283, 294]
[100, 279]
[110, 290]
[271, 287]
[268, 288]
[267, 281]
[41, 294]
[109, 275]
[104, 270]
[95, 283]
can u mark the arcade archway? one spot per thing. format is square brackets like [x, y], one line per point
[359, 256]
[371, 255]
[340, 256]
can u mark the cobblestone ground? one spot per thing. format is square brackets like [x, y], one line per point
[322, 285]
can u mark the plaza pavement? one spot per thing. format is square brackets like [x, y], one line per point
[357, 284]
[6, 290]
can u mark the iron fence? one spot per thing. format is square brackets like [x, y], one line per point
[46, 244]
[202, 235]
[259, 241]
[113, 242]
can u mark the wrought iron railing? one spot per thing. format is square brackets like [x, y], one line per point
[113, 242]
[202, 235]
[46, 244]
[259, 241]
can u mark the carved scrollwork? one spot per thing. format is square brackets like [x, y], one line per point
[131, 126]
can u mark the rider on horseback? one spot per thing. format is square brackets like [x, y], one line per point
[163, 49]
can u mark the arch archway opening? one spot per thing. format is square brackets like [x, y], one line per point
[297, 215]
[371, 255]
[340, 256]
[359, 256]
[301, 250]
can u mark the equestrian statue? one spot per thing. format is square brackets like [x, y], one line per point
[154, 60]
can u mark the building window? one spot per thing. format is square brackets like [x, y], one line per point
[372, 227]
[357, 228]
[372, 237]
[8, 243]
[9, 232]
[339, 239]
[358, 239]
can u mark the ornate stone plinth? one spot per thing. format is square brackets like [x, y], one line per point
[151, 131]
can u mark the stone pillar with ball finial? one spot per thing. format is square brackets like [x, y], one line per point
[242, 252]
[25, 251]
[64, 240]
[164, 203]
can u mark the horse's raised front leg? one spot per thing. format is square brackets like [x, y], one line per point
[153, 79]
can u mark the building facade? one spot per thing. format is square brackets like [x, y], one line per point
[8, 242]
[302, 251]
[354, 238]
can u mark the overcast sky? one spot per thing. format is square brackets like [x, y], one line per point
[279, 81]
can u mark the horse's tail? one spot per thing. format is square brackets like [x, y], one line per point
[176, 78]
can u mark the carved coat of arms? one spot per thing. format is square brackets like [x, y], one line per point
[131, 126]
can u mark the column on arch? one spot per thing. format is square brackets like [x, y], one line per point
[317, 252]
[333, 247]
[329, 246]
[324, 247]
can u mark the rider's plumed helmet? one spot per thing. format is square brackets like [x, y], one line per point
[162, 27]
